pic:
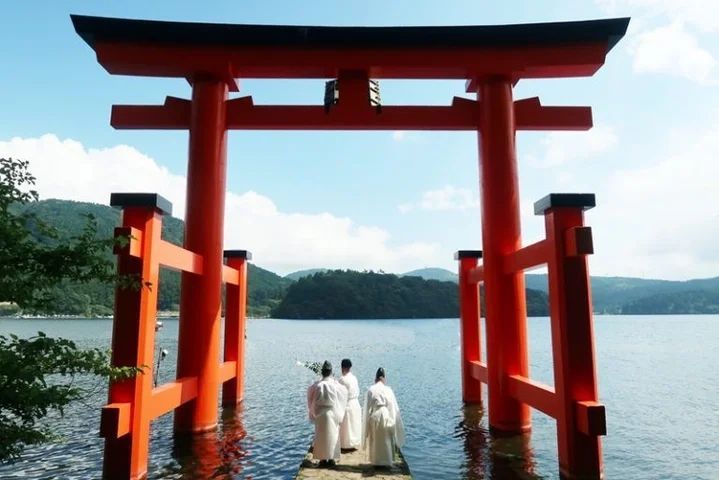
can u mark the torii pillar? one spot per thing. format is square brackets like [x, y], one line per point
[201, 295]
[501, 236]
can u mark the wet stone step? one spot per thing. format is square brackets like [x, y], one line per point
[353, 465]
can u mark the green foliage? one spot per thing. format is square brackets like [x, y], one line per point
[350, 294]
[95, 298]
[34, 256]
[35, 260]
[30, 370]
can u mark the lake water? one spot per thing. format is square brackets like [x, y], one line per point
[658, 377]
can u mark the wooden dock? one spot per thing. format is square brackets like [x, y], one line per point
[353, 466]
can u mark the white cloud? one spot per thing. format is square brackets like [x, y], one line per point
[280, 241]
[665, 36]
[561, 148]
[662, 220]
[442, 199]
[673, 50]
[702, 14]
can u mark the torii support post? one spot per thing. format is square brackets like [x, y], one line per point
[127, 430]
[501, 235]
[573, 401]
[469, 325]
[580, 418]
[201, 296]
[235, 326]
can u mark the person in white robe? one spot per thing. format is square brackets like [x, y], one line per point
[383, 430]
[351, 428]
[326, 403]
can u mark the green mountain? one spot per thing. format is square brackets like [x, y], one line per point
[617, 295]
[304, 273]
[689, 301]
[440, 274]
[347, 294]
[264, 287]
[426, 292]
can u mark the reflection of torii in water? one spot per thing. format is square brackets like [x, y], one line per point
[492, 59]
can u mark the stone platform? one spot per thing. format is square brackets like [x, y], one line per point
[352, 466]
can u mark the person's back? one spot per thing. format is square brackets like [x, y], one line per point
[383, 427]
[351, 428]
[326, 401]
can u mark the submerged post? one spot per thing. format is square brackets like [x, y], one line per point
[125, 421]
[469, 324]
[235, 325]
[201, 295]
[580, 418]
[501, 236]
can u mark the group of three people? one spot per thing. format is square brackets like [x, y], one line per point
[340, 423]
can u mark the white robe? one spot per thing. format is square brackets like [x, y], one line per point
[382, 423]
[351, 428]
[326, 403]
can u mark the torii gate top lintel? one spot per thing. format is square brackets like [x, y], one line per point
[557, 49]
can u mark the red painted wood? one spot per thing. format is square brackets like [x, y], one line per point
[200, 303]
[235, 326]
[575, 379]
[469, 319]
[501, 236]
[133, 341]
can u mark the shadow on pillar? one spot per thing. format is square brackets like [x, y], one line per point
[216, 454]
[492, 456]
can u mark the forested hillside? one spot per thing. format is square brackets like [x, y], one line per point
[318, 293]
[349, 294]
[264, 290]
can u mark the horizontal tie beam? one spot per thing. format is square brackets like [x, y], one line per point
[534, 394]
[527, 258]
[479, 371]
[227, 371]
[230, 275]
[476, 275]
[242, 114]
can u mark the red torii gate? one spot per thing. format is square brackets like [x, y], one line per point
[492, 59]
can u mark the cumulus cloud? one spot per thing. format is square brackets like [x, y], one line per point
[702, 14]
[562, 148]
[442, 199]
[665, 36]
[662, 220]
[280, 241]
[673, 50]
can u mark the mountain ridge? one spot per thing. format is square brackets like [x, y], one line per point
[266, 289]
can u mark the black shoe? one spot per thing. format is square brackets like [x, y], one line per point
[331, 464]
[323, 464]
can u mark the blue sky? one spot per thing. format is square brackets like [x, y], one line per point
[394, 200]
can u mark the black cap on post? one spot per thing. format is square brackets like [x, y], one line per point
[246, 254]
[460, 254]
[585, 201]
[154, 200]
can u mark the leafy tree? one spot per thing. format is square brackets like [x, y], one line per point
[36, 374]
[27, 389]
[35, 257]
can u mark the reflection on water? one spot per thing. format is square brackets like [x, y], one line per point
[219, 454]
[655, 431]
[489, 455]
